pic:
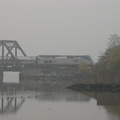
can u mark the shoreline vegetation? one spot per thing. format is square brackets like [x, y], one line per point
[105, 74]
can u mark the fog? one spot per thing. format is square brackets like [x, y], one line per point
[65, 27]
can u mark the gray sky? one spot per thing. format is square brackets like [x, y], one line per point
[72, 27]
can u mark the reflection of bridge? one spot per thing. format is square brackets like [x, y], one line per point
[14, 95]
[10, 105]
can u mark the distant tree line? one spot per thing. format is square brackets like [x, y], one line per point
[109, 60]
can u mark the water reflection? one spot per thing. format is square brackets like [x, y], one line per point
[104, 98]
[14, 95]
[10, 105]
[52, 99]
[110, 101]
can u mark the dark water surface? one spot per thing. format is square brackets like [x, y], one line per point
[33, 101]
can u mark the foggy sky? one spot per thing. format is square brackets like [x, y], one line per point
[64, 27]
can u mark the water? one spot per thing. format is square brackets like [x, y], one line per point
[28, 101]
[11, 77]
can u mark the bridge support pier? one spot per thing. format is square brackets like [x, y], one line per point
[1, 76]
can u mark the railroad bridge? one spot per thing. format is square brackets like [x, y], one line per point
[13, 58]
[9, 52]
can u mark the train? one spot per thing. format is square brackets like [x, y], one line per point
[63, 60]
[52, 60]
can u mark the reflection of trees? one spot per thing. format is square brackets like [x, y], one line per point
[104, 98]
[114, 111]
[110, 101]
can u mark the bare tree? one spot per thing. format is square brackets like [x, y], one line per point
[114, 41]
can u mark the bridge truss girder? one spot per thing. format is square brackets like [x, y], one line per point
[9, 55]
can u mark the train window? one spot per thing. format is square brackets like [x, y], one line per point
[47, 61]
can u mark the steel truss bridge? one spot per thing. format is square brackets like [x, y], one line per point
[9, 52]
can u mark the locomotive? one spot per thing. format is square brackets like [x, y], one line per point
[63, 60]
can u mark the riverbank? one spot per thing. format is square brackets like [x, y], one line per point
[105, 81]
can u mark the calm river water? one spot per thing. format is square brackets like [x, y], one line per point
[33, 101]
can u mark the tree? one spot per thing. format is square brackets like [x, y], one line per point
[84, 69]
[114, 59]
[110, 60]
[114, 41]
